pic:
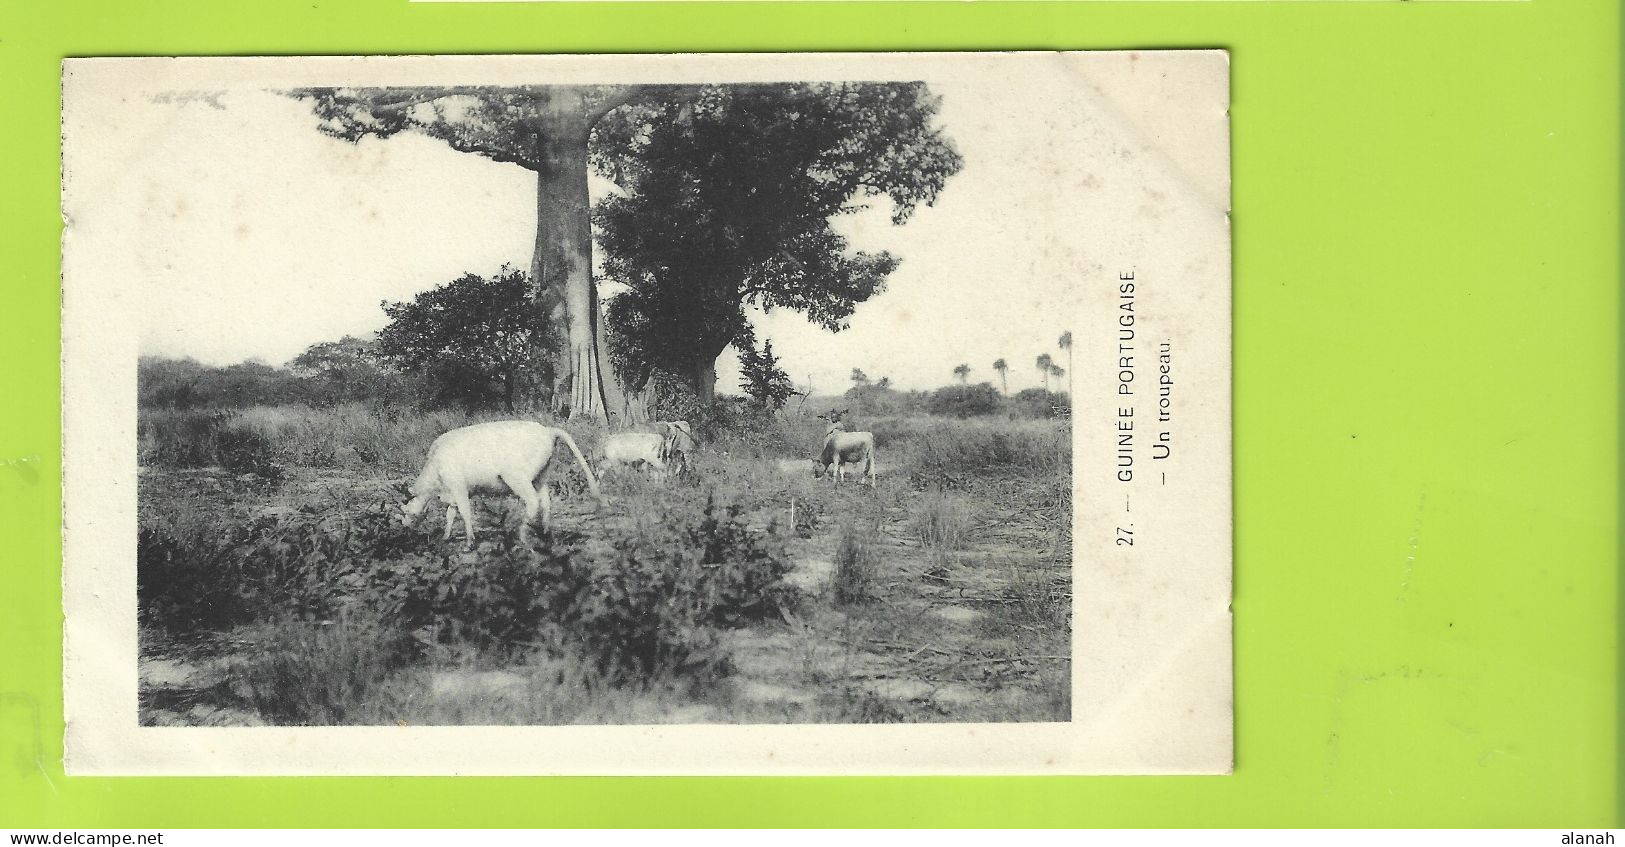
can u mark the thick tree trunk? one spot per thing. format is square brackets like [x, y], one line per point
[562, 262]
[704, 380]
[702, 374]
[635, 406]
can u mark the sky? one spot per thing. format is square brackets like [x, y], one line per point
[251, 236]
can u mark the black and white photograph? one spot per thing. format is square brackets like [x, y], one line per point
[856, 413]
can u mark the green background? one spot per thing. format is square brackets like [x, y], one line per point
[1427, 373]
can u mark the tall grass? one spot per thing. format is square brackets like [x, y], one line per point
[952, 454]
[857, 557]
[353, 435]
[307, 673]
[199, 439]
[942, 522]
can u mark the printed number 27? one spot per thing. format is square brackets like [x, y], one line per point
[1125, 537]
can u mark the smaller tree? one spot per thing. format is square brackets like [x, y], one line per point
[963, 372]
[761, 377]
[474, 338]
[965, 401]
[1004, 383]
[346, 369]
[1034, 403]
[1045, 364]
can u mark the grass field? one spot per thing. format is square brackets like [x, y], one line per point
[277, 585]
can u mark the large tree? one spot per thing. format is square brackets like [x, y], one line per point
[474, 337]
[729, 202]
[541, 128]
[548, 129]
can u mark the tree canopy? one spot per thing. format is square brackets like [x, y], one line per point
[729, 201]
[472, 337]
[730, 190]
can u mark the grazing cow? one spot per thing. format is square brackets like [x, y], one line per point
[490, 456]
[678, 446]
[632, 449]
[846, 448]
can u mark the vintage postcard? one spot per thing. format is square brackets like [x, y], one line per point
[704, 414]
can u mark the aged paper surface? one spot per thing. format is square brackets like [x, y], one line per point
[1090, 194]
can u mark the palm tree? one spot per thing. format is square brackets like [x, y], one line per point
[1001, 367]
[1065, 343]
[1057, 371]
[963, 372]
[1044, 364]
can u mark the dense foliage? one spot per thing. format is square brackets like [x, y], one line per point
[761, 378]
[964, 401]
[476, 340]
[648, 601]
[729, 199]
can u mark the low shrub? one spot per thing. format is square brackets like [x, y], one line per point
[216, 572]
[963, 401]
[647, 600]
[673, 579]
[189, 581]
[1038, 403]
[201, 439]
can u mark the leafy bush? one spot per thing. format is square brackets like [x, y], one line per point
[1038, 403]
[964, 401]
[500, 602]
[739, 426]
[675, 577]
[243, 450]
[646, 602]
[200, 439]
[186, 581]
[214, 574]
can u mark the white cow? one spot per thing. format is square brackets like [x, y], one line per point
[631, 450]
[677, 448]
[846, 448]
[489, 457]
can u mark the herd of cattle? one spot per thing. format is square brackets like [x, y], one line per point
[517, 455]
